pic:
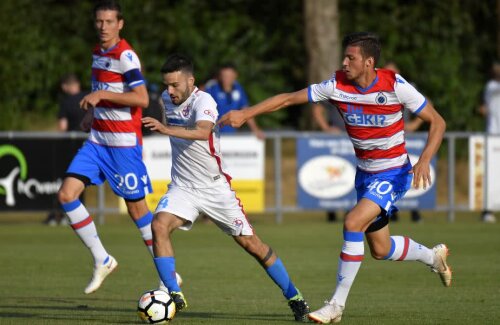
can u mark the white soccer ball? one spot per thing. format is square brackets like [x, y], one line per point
[156, 307]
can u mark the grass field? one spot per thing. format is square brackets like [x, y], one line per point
[44, 270]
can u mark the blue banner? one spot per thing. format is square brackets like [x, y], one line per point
[326, 167]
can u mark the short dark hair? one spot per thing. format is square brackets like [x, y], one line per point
[368, 42]
[228, 65]
[178, 62]
[68, 78]
[109, 5]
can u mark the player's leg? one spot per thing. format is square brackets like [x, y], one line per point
[351, 256]
[383, 246]
[81, 221]
[142, 217]
[174, 210]
[276, 270]
[83, 171]
[163, 225]
[224, 208]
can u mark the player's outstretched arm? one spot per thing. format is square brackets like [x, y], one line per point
[238, 118]
[201, 131]
[137, 97]
[437, 127]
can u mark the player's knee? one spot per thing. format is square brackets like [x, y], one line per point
[379, 253]
[65, 196]
[161, 226]
[351, 223]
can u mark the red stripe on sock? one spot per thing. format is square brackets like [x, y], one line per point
[405, 249]
[351, 258]
[82, 223]
[148, 242]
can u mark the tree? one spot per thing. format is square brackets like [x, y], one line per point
[322, 38]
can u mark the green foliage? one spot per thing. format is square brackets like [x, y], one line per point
[442, 46]
[445, 47]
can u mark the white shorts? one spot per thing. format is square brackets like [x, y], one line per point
[219, 203]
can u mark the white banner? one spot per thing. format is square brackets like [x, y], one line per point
[484, 177]
[242, 156]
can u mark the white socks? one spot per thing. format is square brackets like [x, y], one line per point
[85, 228]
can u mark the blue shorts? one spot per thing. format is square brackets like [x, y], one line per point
[384, 188]
[123, 168]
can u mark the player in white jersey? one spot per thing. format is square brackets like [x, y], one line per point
[200, 184]
[370, 102]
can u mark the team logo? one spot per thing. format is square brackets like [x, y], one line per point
[236, 95]
[129, 56]
[101, 62]
[238, 223]
[185, 110]
[381, 99]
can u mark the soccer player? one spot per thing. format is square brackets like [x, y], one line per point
[200, 184]
[370, 101]
[229, 95]
[113, 151]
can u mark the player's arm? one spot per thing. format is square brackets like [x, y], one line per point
[138, 96]
[237, 118]
[437, 127]
[318, 113]
[201, 130]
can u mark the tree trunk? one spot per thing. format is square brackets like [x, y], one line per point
[322, 38]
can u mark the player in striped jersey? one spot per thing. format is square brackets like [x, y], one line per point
[370, 101]
[113, 151]
[200, 184]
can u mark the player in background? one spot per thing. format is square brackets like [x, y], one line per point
[370, 101]
[229, 95]
[113, 151]
[200, 184]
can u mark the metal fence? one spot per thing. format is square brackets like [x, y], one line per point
[449, 148]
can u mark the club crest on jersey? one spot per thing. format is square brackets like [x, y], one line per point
[185, 110]
[101, 62]
[381, 99]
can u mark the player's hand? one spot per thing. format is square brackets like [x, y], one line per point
[232, 118]
[91, 100]
[421, 175]
[86, 122]
[154, 125]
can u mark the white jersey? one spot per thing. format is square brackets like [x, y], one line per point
[492, 102]
[195, 163]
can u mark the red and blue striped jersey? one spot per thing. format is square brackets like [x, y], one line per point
[373, 116]
[117, 69]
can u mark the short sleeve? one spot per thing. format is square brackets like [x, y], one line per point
[206, 109]
[130, 66]
[410, 97]
[322, 91]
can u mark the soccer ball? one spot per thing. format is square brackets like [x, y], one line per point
[156, 307]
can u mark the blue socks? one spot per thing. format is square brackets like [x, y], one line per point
[166, 270]
[278, 273]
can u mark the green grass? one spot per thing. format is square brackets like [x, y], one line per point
[44, 270]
